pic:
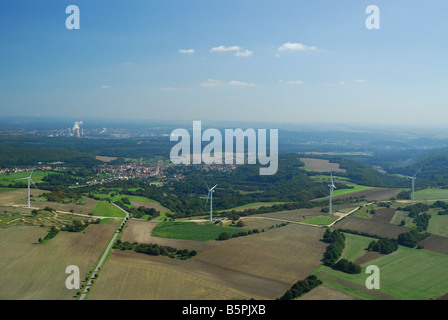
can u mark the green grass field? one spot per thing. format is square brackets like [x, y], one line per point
[364, 212]
[355, 246]
[408, 274]
[191, 231]
[400, 216]
[431, 194]
[322, 220]
[6, 179]
[438, 224]
[105, 209]
[340, 192]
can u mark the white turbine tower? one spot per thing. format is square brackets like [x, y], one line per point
[210, 195]
[29, 180]
[413, 181]
[332, 187]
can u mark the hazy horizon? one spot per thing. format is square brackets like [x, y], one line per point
[292, 62]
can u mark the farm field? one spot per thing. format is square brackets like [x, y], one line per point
[105, 209]
[321, 220]
[6, 179]
[129, 275]
[302, 214]
[369, 193]
[253, 205]
[18, 196]
[436, 243]
[2, 190]
[191, 231]
[85, 208]
[340, 193]
[323, 292]
[269, 255]
[141, 232]
[258, 266]
[438, 224]
[321, 165]
[409, 274]
[37, 271]
[379, 228]
[384, 214]
[431, 194]
[148, 203]
[402, 216]
[355, 246]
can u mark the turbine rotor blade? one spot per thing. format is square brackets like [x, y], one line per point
[208, 188]
[213, 187]
[33, 183]
[22, 178]
[208, 196]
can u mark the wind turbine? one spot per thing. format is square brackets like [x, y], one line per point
[413, 180]
[210, 195]
[332, 187]
[29, 180]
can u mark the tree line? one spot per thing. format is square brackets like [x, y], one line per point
[333, 252]
[301, 287]
[156, 250]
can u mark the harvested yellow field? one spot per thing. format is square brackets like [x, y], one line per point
[133, 276]
[37, 271]
[259, 266]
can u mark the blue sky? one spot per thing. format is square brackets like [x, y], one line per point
[281, 61]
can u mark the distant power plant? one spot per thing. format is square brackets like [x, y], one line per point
[77, 130]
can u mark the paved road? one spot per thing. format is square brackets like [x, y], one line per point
[104, 256]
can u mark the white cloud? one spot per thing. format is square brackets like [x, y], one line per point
[295, 47]
[225, 49]
[341, 82]
[186, 51]
[239, 51]
[245, 53]
[360, 81]
[105, 87]
[241, 84]
[210, 83]
[295, 82]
